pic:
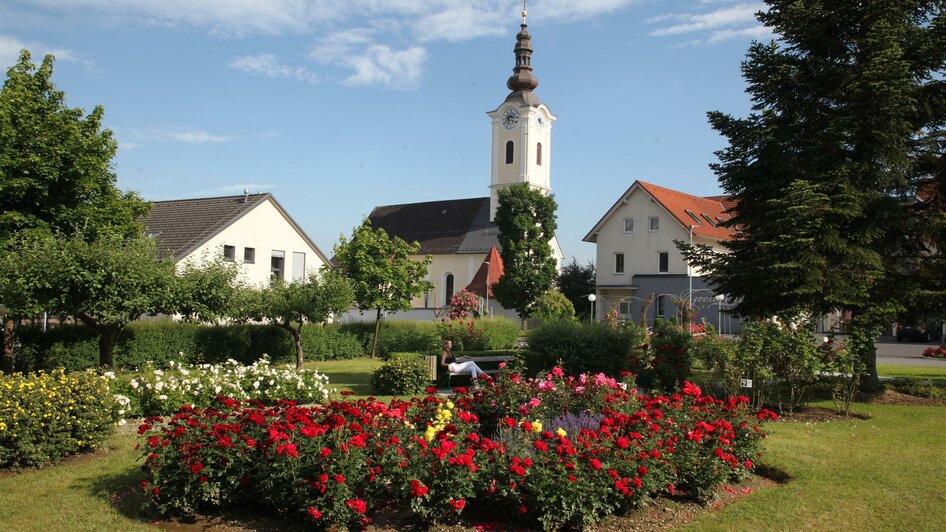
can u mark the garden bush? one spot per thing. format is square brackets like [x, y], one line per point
[45, 417]
[75, 347]
[403, 374]
[330, 342]
[586, 447]
[670, 345]
[590, 347]
[408, 336]
[482, 334]
[161, 391]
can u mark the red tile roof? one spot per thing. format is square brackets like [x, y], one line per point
[489, 273]
[678, 203]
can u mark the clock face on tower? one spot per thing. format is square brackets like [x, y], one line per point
[510, 117]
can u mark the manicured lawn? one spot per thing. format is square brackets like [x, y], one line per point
[913, 372]
[873, 474]
[77, 494]
[353, 375]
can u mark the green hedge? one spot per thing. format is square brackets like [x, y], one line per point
[47, 416]
[589, 347]
[75, 347]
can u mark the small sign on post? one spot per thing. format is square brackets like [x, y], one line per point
[745, 383]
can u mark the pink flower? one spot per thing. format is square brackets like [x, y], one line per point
[557, 371]
[502, 365]
[534, 402]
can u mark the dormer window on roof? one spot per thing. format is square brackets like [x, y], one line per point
[720, 220]
[695, 217]
[708, 219]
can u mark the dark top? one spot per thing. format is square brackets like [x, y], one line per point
[450, 358]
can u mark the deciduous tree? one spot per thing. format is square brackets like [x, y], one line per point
[576, 281]
[526, 221]
[383, 272]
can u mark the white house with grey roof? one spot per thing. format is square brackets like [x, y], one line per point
[252, 230]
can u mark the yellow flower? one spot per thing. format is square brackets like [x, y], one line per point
[450, 405]
[536, 427]
[561, 432]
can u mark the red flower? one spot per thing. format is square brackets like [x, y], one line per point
[288, 449]
[314, 513]
[357, 505]
[457, 504]
[347, 392]
[431, 389]
[197, 468]
[326, 452]
[340, 479]
[418, 489]
[596, 464]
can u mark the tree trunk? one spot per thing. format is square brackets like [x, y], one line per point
[106, 344]
[864, 333]
[870, 382]
[377, 333]
[297, 336]
[8, 331]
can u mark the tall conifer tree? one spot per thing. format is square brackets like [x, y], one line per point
[823, 167]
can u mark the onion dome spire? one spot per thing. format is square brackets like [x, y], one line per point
[522, 82]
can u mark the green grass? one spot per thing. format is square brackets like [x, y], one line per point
[353, 375]
[913, 372]
[874, 474]
[77, 494]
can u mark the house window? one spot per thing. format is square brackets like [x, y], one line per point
[298, 266]
[629, 225]
[277, 265]
[249, 255]
[695, 217]
[538, 154]
[708, 219]
[653, 223]
[661, 307]
[618, 263]
[625, 308]
[448, 288]
[663, 262]
[509, 151]
[229, 253]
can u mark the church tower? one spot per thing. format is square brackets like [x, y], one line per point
[522, 129]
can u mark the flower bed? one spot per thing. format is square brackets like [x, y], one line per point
[563, 451]
[47, 416]
[160, 392]
[935, 352]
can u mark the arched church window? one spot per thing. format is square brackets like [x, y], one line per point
[448, 288]
[538, 154]
[509, 151]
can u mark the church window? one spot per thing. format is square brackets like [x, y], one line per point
[448, 288]
[538, 154]
[509, 151]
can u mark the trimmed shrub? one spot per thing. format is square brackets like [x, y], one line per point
[670, 346]
[589, 347]
[45, 417]
[403, 374]
[407, 336]
[483, 334]
[330, 342]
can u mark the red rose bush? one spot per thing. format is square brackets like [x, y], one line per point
[557, 451]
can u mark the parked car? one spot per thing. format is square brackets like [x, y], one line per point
[923, 331]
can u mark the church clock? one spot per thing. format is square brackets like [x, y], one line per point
[510, 117]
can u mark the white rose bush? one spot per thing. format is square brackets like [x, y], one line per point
[163, 391]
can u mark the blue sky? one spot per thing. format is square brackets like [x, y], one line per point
[336, 106]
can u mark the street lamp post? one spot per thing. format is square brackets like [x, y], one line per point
[719, 312]
[690, 274]
[592, 298]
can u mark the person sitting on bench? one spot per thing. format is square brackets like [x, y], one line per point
[450, 362]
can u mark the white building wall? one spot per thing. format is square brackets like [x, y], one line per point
[266, 230]
[641, 246]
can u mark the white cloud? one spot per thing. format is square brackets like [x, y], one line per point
[462, 24]
[712, 27]
[267, 65]
[371, 63]
[10, 52]
[566, 10]
[133, 138]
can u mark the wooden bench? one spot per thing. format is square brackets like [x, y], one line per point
[433, 362]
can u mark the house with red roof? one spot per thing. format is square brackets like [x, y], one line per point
[639, 268]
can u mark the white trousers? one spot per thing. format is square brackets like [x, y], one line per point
[465, 367]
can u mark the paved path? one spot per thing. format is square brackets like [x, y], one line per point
[892, 352]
